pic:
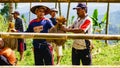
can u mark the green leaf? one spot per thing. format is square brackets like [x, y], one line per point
[95, 14]
[104, 18]
[95, 22]
[23, 17]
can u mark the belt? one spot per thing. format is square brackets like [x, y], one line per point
[42, 44]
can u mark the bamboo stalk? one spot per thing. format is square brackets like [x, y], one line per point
[68, 11]
[104, 1]
[59, 36]
[107, 22]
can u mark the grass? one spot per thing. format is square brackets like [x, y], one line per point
[108, 55]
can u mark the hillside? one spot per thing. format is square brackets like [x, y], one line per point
[114, 26]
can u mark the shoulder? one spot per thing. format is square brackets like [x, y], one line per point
[88, 19]
[6, 48]
[32, 21]
[47, 19]
[19, 19]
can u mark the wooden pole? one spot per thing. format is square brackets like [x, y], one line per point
[59, 8]
[56, 5]
[10, 11]
[68, 11]
[29, 12]
[26, 1]
[107, 22]
[59, 36]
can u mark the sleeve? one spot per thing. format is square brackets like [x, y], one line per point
[85, 25]
[29, 29]
[49, 24]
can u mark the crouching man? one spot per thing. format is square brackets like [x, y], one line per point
[7, 55]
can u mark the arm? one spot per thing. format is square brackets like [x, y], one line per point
[72, 30]
[75, 30]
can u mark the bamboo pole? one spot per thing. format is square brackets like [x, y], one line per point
[68, 11]
[10, 11]
[107, 22]
[59, 36]
[56, 5]
[26, 1]
[30, 12]
[59, 8]
[63, 66]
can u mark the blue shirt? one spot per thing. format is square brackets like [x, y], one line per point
[19, 24]
[45, 23]
[53, 21]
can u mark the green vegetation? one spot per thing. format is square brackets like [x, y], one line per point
[101, 54]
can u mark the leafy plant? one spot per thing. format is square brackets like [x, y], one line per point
[71, 20]
[24, 19]
[98, 26]
[3, 26]
[5, 10]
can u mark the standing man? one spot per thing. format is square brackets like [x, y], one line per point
[56, 48]
[19, 27]
[53, 13]
[81, 47]
[42, 54]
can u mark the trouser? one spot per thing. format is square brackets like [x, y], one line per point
[42, 55]
[21, 45]
[3, 60]
[83, 55]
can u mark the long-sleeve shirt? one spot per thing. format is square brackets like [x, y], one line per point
[19, 25]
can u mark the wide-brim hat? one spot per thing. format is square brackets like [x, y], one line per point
[47, 10]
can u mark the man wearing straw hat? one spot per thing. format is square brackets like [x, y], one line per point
[42, 53]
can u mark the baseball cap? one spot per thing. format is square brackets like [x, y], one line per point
[16, 12]
[80, 5]
[54, 10]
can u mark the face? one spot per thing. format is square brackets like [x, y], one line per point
[53, 14]
[40, 12]
[15, 16]
[80, 12]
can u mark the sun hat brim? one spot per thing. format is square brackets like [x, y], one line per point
[47, 10]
